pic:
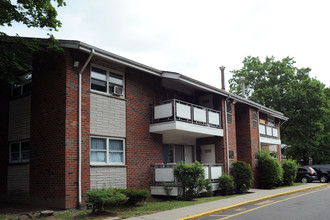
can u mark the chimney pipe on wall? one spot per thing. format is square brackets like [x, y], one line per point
[222, 68]
[243, 87]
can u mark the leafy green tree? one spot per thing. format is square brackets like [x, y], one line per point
[281, 86]
[16, 52]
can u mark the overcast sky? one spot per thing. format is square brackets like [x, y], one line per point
[194, 38]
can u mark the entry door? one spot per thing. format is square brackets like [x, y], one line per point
[188, 154]
[208, 154]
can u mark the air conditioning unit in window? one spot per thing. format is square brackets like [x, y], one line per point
[116, 90]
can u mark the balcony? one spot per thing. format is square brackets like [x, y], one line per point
[163, 176]
[183, 118]
[269, 134]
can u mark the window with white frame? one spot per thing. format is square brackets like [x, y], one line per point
[108, 81]
[19, 152]
[107, 151]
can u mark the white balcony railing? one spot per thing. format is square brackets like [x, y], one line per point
[175, 110]
[163, 173]
[268, 131]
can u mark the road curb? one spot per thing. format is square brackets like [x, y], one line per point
[223, 209]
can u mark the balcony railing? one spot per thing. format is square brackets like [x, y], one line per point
[268, 131]
[176, 110]
[163, 173]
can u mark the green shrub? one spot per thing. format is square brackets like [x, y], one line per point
[226, 185]
[279, 173]
[208, 187]
[270, 172]
[135, 195]
[242, 175]
[290, 168]
[102, 198]
[192, 179]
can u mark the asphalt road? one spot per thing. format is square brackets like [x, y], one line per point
[312, 204]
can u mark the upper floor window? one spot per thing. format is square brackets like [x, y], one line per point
[107, 81]
[254, 120]
[107, 151]
[271, 122]
[19, 152]
[23, 89]
[229, 113]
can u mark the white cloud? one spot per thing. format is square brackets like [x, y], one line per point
[196, 37]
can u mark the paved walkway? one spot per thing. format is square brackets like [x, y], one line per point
[203, 209]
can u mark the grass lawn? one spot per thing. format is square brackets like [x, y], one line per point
[151, 206]
[154, 204]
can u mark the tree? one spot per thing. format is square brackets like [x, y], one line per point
[281, 86]
[16, 52]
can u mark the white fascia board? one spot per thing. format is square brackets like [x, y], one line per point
[167, 74]
[121, 60]
[186, 127]
[265, 140]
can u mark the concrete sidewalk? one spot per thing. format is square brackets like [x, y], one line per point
[199, 210]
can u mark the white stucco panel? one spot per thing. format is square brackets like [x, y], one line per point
[107, 116]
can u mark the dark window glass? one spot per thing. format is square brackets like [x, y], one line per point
[27, 89]
[98, 79]
[254, 120]
[229, 113]
[231, 154]
[98, 85]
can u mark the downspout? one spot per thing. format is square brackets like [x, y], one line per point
[79, 129]
[258, 111]
[227, 146]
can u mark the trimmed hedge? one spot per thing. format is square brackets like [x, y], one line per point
[290, 168]
[270, 172]
[226, 185]
[135, 195]
[192, 179]
[99, 199]
[243, 176]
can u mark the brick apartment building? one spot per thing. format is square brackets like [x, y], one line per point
[89, 119]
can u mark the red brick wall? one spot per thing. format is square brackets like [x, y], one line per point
[142, 147]
[47, 150]
[71, 132]
[54, 131]
[4, 145]
[232, 134]
[247, 136]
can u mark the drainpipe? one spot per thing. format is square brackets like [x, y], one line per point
[79, 129]
[227, 146]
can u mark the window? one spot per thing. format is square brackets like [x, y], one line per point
[19, 90]
[229, 113]
[19, 152]
[107, 151]
[254, 120]
[271, 122]
[173, 153]
[231, 154]
[107, 81]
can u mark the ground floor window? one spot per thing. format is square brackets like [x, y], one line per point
[107, 151]
[19, 152]
[173, 153]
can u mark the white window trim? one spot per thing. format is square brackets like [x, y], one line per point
[107, 163]
[108, 70]
[20, 152]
